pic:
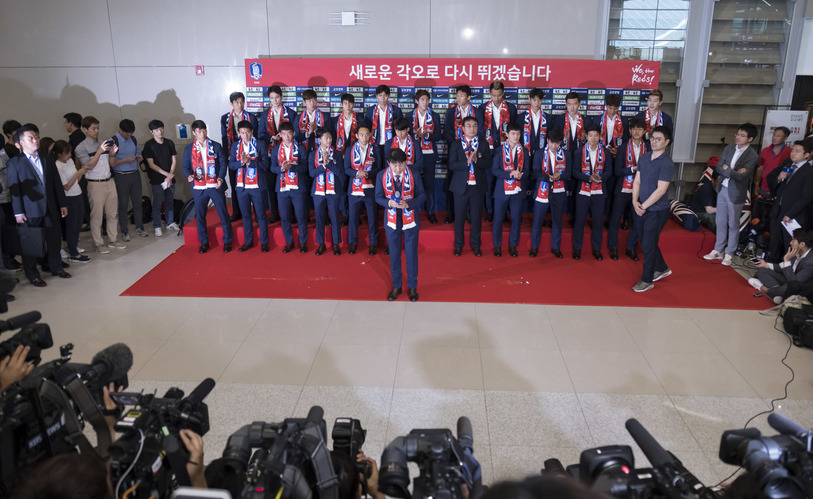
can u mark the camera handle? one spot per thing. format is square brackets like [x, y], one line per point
[177, 460]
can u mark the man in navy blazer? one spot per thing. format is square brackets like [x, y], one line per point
[653, 116]
[230, 135]
[424, 126]
[290, 163]
[362, 162]
[381, 117]
[452, 131]
[326, 168]
[511, 168]
[469, 159]
[38, 200]
[248, 157]
[404, 141]
[268, 132]
[551, 168]
[591, 169]
[496, 115]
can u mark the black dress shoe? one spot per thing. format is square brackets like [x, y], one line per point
[449, 219]
[625, 225]
[432, 218]
[9, 298]
[345, 221]
[63, 274]
[203, 248]
[245, 247]
[597, 255]
[498, 251]
[613, 254]
[393, 294]
[556, 253]
[288, 247]
[413, 295]
[458, 251]
[632, 254]
[273, 218]
[386, 250]
[489, 217]
[572, 222]
[264, 248]
[477, 252]
[351, 249]
[533, 252]
[512, 250]
[337, 250]
[328, 222]
[577, 254]
[236, 217]
[303, 248]
[65, 265]
[38, 282]
[226, 247]
[320, 249]
[372, 250]
[546, 224]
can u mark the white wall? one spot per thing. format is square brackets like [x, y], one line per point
[805, 66]
[118, 58]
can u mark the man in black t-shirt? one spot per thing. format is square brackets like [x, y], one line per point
[161, 158]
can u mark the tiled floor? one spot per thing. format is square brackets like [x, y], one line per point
[536, 381]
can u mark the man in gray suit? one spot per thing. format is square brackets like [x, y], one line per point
[736, 169]
[780, 280]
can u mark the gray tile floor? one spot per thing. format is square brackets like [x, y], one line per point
[536, 381]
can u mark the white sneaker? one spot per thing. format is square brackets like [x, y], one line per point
[142, 233]
[158, 232]
[714, 255]
[660, 275]
[102, 250]
[80, 250]
[727, 261]
[755, 283]
[64, 254]
[173, 226]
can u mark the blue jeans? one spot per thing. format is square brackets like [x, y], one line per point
[167, 196]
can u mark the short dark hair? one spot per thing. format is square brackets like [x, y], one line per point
[636, 123]
[613, 100]
[750, 129]
[245, 124]
[401, 124]
[804, 236]
[127, 126]
[382, 88]
[61, 147]
[11, 126]
[274, 89]
[236, 95]
[308, 94]
[396, 155]
[555, 135]
[537, 93]
[87, 122]
[363, 124]
[198, 125]
[66, 476]
[573, 95]
[321, 131]
[74, 119]
[496, 85]
[667, 134]
[657, 93]
[592, 127]
[286, 125]
[513, 127]
[807, 145]
[470, 118]
[784, 130]
[349, 98]
[420, 93]
[28, 127]
[345, 468]
[463, 88]
[155, 125]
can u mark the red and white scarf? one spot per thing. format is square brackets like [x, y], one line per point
[502, 125]
[230, 134]
[272, 125]
[247, 176]
[409, 150]
[407, 193]
[387, 124]
[528, 126]
[341, 146]
[428, 126]
[305, 121]
[559, 166]
[289, 180]
[567, 132]
[469, 147]
[205, 175]
[648, 119]
[632, 163]
[512, 185]
[618, 130]
[458, 119]
[325, 182]
[592, 188]
[362, 161]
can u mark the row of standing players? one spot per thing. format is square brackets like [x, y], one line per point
[480, 179]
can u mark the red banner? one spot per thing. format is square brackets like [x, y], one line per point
[432, 72]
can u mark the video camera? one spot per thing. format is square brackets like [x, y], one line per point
[149, 458]
[781, 466]
[446, 464]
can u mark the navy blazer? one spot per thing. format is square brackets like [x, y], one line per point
[436, 134]
[541, 176]
[33, 197]
[262, 125]
[500, 174]
[667, 121]
[336, 166]
[261, 163]
[449, 134]
[224, 127]
[559, 124]
[512, 118]
[370, 115]
[350, 172]
[334, 128]
[534, 131]
[310, 141]
[596, 120]
[620, 168]
[220, 161]
[417, 165]
[301, 167]
[418, 198]
[581, 177]
[459, 166]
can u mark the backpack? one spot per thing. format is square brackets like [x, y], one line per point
[798, 323]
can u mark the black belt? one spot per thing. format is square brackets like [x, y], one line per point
[128, 172]
[99, 180]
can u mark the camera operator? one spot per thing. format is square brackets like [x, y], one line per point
[67, 476]
[372, 481]
[14, 367]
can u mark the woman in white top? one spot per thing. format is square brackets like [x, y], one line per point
[70, 176]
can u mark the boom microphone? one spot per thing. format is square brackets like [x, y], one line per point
[653, 451]
[112, 363]
[201, 391]
[20, 320]
[785, 426]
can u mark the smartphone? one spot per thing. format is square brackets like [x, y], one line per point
[110, 142]
[193, 493]
[755, 261]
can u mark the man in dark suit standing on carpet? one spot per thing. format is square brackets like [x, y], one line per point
[38, 200]
[230, 134]
[469, 159]
[400, 191]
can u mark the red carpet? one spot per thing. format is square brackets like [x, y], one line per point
[545, 279]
